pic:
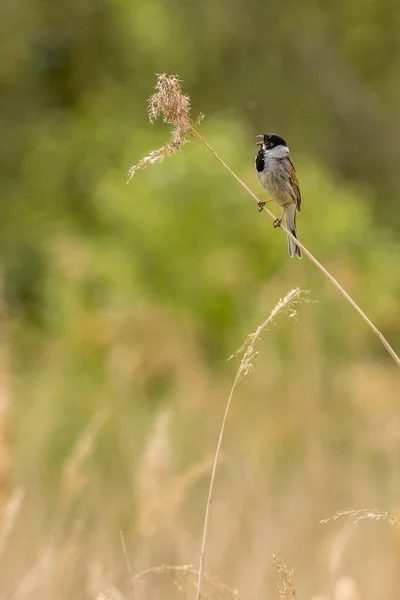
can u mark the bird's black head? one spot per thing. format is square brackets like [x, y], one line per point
[271, 140]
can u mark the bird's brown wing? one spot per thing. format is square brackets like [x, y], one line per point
[295, 184]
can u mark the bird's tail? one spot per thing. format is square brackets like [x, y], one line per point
[290, 214]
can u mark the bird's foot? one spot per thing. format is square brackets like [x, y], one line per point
[278, 222]
[262, 204]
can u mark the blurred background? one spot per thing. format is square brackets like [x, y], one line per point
[120, 304]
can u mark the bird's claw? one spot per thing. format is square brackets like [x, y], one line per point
[261, 206]
[278, 222]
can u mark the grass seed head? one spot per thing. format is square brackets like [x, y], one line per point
[170, 103]
[173, 106]
[285, 586]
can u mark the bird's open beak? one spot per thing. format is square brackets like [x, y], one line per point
[259, 143]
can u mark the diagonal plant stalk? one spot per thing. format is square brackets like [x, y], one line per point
[316, 262]
[174, 106]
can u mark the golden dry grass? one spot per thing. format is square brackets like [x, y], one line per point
[306, 438]
[271, 494]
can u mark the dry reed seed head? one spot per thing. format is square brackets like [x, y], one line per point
[170, 103]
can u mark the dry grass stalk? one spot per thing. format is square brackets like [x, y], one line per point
[285, 586]
[363, 513]
[180, 574]
[72, 479]
[153, 473]
[159, 490]
[35, 576]
[246, 364]
[66, 554]
[128, 565]
[9, 516]
[165, 506]
[174, 107]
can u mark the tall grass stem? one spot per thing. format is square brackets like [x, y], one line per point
[245, 366]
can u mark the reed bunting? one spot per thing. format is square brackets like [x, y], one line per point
[276, 173]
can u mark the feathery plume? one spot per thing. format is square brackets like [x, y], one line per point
[285, 586]
[173, 106]
[361, 514]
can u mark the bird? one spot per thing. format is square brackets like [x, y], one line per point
[276, 173]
